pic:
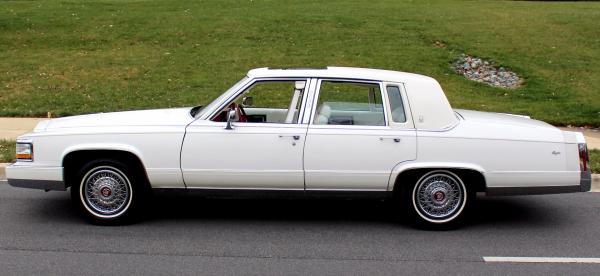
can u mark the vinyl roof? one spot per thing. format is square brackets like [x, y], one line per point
[339, 72]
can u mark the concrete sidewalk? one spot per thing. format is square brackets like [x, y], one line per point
[592, 136]
[11, 128]
[2, 172]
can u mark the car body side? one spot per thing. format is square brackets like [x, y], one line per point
[512, 154]
[513, 159]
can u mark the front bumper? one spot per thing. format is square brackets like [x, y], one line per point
[45, 185]
[35, 177]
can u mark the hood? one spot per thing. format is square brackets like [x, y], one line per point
[154, 117]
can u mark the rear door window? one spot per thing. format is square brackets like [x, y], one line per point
[349, 103]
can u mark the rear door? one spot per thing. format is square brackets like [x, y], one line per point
[357, 133]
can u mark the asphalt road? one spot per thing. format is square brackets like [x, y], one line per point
[41, 234]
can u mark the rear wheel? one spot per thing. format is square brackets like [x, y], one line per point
[438, 199]
[108, 192]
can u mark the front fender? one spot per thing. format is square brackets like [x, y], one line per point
[103, 146]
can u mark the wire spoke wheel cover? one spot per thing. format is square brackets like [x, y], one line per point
[439, 196]
[106, 192]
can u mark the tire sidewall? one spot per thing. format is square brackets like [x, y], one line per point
[423, 219]
[84, 200]
[127, 212]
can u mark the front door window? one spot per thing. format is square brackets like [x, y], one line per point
[267, 102]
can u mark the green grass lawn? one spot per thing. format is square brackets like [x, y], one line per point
[7, 151]
[595, 160]
[74, 57]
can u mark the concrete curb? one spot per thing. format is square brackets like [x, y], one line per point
[595, 182]
[2, 170]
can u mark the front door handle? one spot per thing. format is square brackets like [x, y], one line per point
[395, 139]
[295, 137]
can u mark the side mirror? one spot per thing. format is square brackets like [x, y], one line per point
[230, 117]
[247, 101]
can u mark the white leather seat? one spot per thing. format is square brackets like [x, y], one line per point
[323, 115]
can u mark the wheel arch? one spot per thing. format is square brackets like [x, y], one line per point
[74, 158]
[472, 175]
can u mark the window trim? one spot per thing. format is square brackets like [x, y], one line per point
[401, 103]
[315, 100]
[249, 85]
[409, 124]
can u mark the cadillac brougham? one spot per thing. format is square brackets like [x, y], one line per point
[349, 131]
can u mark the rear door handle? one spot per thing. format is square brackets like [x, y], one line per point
[395, 139]
[295, 137]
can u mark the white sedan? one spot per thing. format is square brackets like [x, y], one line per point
[308, 132]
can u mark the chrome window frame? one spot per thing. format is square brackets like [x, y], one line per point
[251, 82]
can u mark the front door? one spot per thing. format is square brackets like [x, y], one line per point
[357, 135]
[262, 150]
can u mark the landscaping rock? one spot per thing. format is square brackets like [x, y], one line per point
[479, 70]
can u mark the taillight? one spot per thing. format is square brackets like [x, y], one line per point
[584, 158]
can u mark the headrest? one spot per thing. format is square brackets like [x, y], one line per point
[325, 110]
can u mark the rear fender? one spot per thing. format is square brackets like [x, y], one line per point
[405, 166]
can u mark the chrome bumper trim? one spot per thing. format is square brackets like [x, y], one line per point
[540, 190]
[46, 185]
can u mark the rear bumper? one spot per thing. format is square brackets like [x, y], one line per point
[586, 181]
[537, 190]
[35, 177]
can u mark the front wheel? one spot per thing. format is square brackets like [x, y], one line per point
[108, 192]
[438, 199]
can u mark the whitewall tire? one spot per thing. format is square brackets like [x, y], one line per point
[108, 192]
[438, 199]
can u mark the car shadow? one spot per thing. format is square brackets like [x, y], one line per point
[513, 212]
[488, 211]
[268, 209]
[57, 208]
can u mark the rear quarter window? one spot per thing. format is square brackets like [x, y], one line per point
[396, 105]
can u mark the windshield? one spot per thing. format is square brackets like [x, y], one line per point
[219, 99]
